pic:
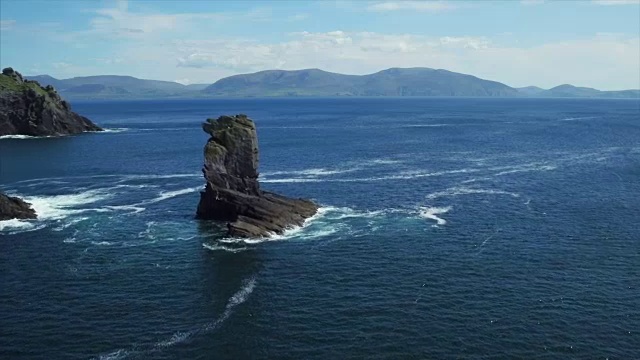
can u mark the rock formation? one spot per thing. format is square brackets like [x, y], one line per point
[26, 108]
[233, 193]
[15, 208]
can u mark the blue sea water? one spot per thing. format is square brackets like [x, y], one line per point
[450, 228]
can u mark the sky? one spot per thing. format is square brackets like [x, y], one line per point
[545, 43]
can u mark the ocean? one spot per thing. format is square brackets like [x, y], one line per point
[450, 228]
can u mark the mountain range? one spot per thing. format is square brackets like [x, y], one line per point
[315, 82]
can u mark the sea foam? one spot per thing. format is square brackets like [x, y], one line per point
[433, 212]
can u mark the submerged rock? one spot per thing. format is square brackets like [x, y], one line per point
[15, 208]
[26, 108]
[233, 193]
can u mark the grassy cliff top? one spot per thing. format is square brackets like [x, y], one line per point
[12, 81]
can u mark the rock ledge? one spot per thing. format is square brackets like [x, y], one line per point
[15, 208]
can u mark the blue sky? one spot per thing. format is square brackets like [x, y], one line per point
[593, 43]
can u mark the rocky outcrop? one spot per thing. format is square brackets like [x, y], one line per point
[233, 193]
[15, 208]
[26, 108]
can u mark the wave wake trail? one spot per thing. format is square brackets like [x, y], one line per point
[239, 297]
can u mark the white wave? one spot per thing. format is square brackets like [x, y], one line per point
[134, 209]
[455, 191]
[171, 194]
[578, 118]
[433, 212]
[223, 248]
[113, 130]
[18, 137]
[56, 207]
[176, 338]
[145, 350]
[166, 176]
[310, 172]
[124, 177]
[527, 169]
[243, 294]
[380, 162]
[416, 174]
[238, 298]
[347, 213]
[70, 223]
[311, 175]
[114, 355]
[16, 224]
[102, 243]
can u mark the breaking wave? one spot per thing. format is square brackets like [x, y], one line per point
[112, 130]
[433, 212]
[461, 190]
[23, 137]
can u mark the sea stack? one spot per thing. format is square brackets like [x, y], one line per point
[26, 108]
[15, 208]
[233, 193]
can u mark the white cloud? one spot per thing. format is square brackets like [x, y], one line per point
[605, 61]
[181, 46]
[616, 2]
[7, 24]
[426, 6]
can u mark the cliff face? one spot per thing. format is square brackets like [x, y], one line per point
[15, 208]
[233, 193]
[26, 108]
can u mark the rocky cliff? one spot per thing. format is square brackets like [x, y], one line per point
[26, 108]
[233, 193]
[15, 208]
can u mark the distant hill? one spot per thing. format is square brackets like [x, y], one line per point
[530, 90]
[315, 82]
[116, 87]
[567, 90]
[391, 82]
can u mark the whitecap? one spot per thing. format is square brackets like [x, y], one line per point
[223, 248]
[414, 174]
[176, 338]
[16, 224]
[291, 180]
[527, 169]
[112, 130]
[114, 355]
[578, 118]
[310, 172]
[171, 194]
[56, 207]
[455, 191]
[433, 212]
[70, 223]
[102, 243]
[134, 209]
[23, 137]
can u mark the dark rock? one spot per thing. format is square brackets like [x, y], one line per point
[15, 208]
[26, 108]
[233, 193]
